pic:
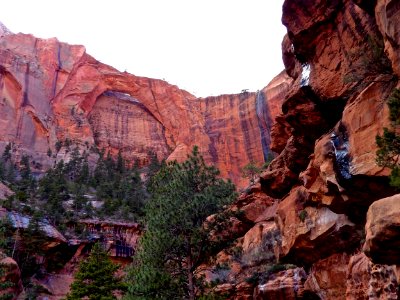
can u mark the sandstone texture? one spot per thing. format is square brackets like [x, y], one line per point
[327, 278]
[54, 92]
[309, 207]
[298, 230]
[285, 285]
[382, 241]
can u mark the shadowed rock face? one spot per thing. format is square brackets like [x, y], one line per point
[343, 57]
[52, 91]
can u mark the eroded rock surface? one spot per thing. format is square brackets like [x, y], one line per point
[382, 241]
[53, 92]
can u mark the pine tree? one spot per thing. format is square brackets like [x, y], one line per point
[4, 283]
[250, 171]
[95, 278]
[388, 154]
[176, 240]
[4, 241]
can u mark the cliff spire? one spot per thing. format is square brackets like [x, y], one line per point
[4, 30]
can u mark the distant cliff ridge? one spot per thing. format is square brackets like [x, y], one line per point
[54, 92]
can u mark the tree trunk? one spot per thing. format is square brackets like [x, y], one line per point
[191, 285]
[190, 274]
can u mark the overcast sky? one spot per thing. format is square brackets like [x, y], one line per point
[208, 47]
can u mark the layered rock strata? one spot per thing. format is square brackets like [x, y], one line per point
[52, 93]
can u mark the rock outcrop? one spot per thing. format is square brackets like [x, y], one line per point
[382, 241]
[344, 61]
[301, 225]
[11, 276]
[52, 92]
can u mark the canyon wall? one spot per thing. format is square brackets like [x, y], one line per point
[52, 92]
[322, 221]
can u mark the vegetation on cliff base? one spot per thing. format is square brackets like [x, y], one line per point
[65, 192]
[5, 284]
[183, 195]
[388, 154]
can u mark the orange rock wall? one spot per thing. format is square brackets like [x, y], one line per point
[320, 200]
[51, 91]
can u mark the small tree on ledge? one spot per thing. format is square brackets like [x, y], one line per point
[251, 171]
[388, 154]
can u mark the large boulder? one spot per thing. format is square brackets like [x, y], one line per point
[284, 285]
[327, 277]
[307, 231]
[382, 241]
[12, 275]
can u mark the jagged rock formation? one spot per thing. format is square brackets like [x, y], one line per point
[304, 222]
[4, 30]
[53, 92]
[314, 197]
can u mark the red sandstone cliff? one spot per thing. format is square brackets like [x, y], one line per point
[322, 222]
[52, 91]
[318, 205]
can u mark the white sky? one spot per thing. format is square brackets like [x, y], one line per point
[208, 47]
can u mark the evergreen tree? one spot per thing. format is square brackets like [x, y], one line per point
[389, 143]
[176, 240]
[5, 233]
[4, 283]
[95, 279]
[6, 156]
[53, 191]
[25, 186]
[251, 171]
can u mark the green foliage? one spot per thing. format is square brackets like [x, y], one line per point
[7, 168]
[262, 277]
[303, 215]
[369, 59]
[58, 146]
[5, 284]
[7, 153]
[53, 191]
[389, 143]
[96, 277]
[394, 106]
[174, 244]
[251, 171]
[5, 233]
[120, 186]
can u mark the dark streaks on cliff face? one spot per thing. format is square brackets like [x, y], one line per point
[264, 123]
[24, 102]
[58, 68]
[245, 127]
[25, 99]
[212, 149]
